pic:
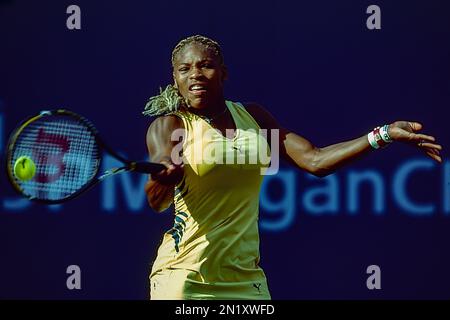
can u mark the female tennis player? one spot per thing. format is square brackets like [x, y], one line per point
[212, 251]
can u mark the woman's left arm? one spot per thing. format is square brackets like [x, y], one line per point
[324, 161]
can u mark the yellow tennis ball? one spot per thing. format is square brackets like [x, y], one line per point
[24, 168]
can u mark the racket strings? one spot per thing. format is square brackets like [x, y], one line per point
[65, 153]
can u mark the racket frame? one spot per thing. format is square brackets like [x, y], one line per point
[102, 147]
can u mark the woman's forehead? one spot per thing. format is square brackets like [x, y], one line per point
[194, 51]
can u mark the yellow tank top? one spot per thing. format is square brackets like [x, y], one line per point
[212, 251]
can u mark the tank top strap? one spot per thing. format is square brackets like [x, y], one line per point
[242, 118]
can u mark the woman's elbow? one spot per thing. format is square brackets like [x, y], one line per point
[321, 173]
[159, 208]
[315, 168]
[157, 205]
[314, 164]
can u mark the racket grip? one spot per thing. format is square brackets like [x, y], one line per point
[147, 167]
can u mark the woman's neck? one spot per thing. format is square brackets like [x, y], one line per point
[210, 111]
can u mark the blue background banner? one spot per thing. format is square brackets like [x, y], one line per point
[314, 65]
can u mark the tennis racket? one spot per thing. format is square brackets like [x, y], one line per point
[67, 151]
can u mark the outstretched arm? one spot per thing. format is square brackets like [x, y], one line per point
[324, 161]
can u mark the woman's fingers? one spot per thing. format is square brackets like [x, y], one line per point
[425, 142]
[434, 156]
[171, 175]
[429, 145]
[434, 151]
[419, 136]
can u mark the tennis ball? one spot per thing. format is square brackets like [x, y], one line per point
[24, 168]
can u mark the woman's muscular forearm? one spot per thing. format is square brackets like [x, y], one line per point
[160, 187]
[328, 159]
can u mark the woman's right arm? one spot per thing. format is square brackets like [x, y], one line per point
[160, 187]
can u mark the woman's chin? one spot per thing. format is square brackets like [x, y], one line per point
[198, 103]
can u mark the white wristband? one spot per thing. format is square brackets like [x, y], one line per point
[384, 134]
[372, 140]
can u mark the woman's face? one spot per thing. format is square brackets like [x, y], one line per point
[199, 75]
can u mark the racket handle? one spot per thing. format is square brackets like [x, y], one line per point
[147, 167]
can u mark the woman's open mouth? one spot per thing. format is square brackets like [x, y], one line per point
[197, 89]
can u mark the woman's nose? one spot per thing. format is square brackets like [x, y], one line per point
[196, 73]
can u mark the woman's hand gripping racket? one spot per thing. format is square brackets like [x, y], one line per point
[56, 155]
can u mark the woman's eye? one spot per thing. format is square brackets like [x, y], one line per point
[183, 69]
